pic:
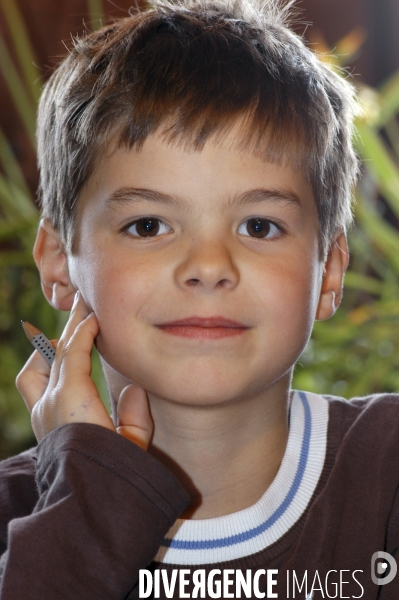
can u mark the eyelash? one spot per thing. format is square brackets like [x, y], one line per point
[261, 221]
[142, 220]
[159, 224]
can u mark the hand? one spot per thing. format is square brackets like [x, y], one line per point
[65, 393]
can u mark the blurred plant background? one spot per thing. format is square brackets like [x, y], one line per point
[20, 292]
[356, 353]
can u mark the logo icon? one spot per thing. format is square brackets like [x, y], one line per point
[380, 561]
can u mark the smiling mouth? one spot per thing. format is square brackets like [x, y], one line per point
[203, 328]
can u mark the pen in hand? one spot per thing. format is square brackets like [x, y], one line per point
[39, 341]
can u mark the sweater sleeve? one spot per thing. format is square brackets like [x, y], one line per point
[104, 506]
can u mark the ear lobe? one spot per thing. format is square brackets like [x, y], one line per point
[334, 271]
[51, 260]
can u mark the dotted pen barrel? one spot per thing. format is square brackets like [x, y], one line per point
[39, 341]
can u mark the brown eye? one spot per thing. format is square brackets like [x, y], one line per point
[259, 228]
[148, 227]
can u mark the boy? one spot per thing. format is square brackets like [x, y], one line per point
[196, 167]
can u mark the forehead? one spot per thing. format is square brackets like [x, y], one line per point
[218, 172]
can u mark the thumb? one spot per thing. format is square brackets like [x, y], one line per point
[133, 416]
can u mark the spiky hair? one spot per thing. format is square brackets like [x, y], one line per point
[190, 69]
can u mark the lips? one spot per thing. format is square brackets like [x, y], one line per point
[203, 327]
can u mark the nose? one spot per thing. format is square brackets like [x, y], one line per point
[207, 265]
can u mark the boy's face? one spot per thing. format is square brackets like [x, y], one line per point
[232, 239]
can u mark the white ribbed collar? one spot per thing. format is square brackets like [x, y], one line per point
[208, 541]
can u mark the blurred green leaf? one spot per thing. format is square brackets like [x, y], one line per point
[16, 87]
[15, 229]
[10, 165]
[96, 12]
[15, 258]
[22, 46]
[380, 163]
[389, 100]
[380, 233]
[358, 281]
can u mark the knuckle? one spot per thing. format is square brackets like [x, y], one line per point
[22, 380]
[25, 373]
[81, 326]
[19, 381]
[60, 347]
[66, 350]
[55, 396]
[35, 417]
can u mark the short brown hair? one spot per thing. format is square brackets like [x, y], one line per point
[193, 68]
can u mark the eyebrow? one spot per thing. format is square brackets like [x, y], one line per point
[127, 195]
[268, 195]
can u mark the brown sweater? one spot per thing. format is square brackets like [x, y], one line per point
[101, 507]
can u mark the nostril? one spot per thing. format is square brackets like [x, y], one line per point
[223, 282]
[193, 282]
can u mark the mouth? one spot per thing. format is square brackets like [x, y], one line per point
[204, 327]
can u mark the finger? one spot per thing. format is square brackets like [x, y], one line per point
[76, 357]
[75, 398]
[134, 420]
[32, 381]
[79, 312]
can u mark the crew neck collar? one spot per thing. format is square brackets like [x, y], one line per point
[245, 532]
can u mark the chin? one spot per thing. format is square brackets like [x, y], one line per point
[201, 393]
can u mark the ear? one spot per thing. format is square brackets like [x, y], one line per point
[51, 260]
[334, 271]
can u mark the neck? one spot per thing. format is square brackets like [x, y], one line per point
[225, 455]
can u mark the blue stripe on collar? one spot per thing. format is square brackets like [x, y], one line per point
[255, 531]
[206, 541]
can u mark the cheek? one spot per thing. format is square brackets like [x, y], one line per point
[112, 283]
[288, 280]
[121, 293]
[116, 303]
[302, 305]
[289, 297]
[117, 296]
